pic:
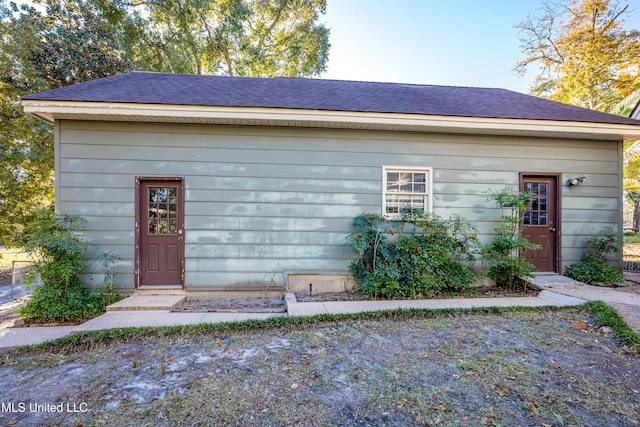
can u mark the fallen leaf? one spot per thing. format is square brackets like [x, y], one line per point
[12, 422]
[581, 326]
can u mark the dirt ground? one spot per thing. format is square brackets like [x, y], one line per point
[535, 368]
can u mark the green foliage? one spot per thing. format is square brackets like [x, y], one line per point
[266, 38]
[585, 55]
[594, 267]
[505, 254]
[59, 44]
[108, 261]
[71, 42]
[51, 304]
[59, 256]
[607, 316]
[420, 255]
[631, 237]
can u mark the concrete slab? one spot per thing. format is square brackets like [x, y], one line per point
[14, 337]
[546, 280]
[560, 299]
[147, 302]
[127, 319]
[340, 307]
[566, 286]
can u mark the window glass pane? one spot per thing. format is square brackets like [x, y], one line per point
[172, 195]
[534, 205]
[543, 204]
[163, 210]
[527, 218]
[392, 181]
[543, 219]
[162, 227]
[543, 189]
[405, 190]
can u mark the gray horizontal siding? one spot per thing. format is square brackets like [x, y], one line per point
[262, 202]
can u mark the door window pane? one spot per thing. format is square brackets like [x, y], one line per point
[538, 213]
[163, 210]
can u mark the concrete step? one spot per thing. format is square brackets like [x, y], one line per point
[148, 302]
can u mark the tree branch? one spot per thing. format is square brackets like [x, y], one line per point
[283, 4]
[212, 39]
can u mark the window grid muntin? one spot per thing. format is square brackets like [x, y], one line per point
[406, 187]
[538, 214]
[162, 210]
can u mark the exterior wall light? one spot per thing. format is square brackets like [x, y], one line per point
[576, 181]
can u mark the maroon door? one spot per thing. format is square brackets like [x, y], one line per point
[540, 224]
[160, 232]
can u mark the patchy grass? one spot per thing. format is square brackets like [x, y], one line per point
[631, 238]
[403, 367]
[606, 315]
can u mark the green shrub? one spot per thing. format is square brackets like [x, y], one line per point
[594, 267]
[420, 255]
[505, 254]
[59, 253]
[55, 304]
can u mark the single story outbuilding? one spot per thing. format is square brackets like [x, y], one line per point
[228, 183]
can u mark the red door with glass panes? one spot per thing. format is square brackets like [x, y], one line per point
[540, 223]
[160, 232]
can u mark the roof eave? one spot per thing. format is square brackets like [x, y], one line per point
[164, 113]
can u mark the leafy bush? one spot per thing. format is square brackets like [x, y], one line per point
[420, 255]
[594, 267]
[53, 304]
[59, 255]
[505, 254]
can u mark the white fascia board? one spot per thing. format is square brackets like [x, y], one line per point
[51, 110]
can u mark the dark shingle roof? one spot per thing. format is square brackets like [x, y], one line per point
[318, 94]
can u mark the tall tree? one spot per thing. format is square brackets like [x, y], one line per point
[60, 44]
[63, 42]
[234, 37]
[584, 54]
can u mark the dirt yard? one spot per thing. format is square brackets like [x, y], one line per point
[536, 368]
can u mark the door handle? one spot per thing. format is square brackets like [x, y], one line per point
[552, 229]
[180, 239]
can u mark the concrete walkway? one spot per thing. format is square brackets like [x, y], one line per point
[155, 310]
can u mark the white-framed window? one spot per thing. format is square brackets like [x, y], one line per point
[406, 188]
